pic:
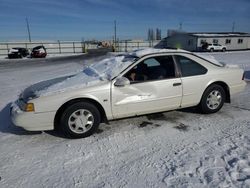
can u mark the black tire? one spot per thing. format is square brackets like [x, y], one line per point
[211, 50]
[208, 104]
[74, 131]
[223, 49]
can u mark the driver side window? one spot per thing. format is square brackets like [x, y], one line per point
[155, 68]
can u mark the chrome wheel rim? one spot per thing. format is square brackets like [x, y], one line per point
[214, 99]
[81, 121]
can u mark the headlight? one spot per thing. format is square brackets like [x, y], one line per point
[29, 107]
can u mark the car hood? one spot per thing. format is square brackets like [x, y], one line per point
[12, 50]
[62, 84]
[31, 92]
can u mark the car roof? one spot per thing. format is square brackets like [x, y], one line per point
[152, 51]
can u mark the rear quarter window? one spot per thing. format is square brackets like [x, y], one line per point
[190, 67]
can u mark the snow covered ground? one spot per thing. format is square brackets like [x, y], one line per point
[48, 56]
[172, 149]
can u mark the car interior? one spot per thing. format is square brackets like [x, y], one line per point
[155, 68]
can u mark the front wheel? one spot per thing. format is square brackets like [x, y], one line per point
[212, 99]
[80, 120]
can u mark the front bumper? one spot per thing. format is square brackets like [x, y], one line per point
[13, 56]
[31, 121]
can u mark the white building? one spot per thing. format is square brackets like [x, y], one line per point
[194, 41]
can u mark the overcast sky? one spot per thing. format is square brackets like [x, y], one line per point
[89, 19]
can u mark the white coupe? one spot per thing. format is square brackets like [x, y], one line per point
[142, 82]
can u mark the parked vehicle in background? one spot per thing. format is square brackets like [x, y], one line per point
[215, 47]
[38, 52]
[17, 53]
[142, 82]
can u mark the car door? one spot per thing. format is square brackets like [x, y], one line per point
[216, 47]
[194, 79]
[156, 87]
[219, 47]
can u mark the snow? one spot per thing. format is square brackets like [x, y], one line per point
[172, 149]
[78, 81]
[111, 67]
[5, 57]
[91, 75]
[240, 58]
[142, 52]
[209, 58]
[13, 50]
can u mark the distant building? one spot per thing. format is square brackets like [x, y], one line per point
[194, 41]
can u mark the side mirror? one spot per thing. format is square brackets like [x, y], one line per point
[121, 82]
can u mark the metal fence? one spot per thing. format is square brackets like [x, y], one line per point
[128, 46]
[69, 47]
[59, 47]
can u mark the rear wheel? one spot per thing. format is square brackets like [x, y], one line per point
[223, 49]
[80, 120]
[212, 99]
[211, 50]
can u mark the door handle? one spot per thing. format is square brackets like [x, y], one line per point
[176, 84]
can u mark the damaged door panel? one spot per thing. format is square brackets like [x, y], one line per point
[145, 97]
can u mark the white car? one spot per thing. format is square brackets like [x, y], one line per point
[216, 47]
[142, 82]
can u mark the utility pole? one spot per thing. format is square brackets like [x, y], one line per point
[28, 28]
[180, 28]
[115, 33]
[233, 27]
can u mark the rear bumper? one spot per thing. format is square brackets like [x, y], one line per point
[38, 55]
[31, 121]
[238, 88]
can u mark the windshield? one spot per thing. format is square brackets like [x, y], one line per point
[109, 68]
